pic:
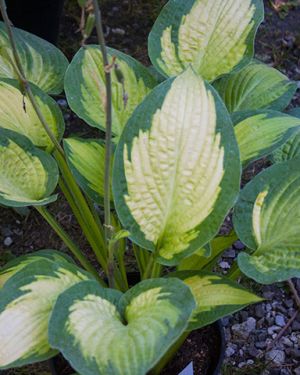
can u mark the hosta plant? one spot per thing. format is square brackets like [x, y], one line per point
[166, 167]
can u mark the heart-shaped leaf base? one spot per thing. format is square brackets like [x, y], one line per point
[101, 331]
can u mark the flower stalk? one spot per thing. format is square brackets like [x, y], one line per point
[108, 134]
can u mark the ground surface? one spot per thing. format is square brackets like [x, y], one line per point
[251, 335]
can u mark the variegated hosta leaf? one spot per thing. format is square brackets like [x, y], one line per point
[291, 149]
[27, 175]
[85, 87]
[102, 332]
[201, 258]
[176, 172]
[86, 158]
[19, 263]
[259, 133]
[215, 296]
[26, 302]
[17, 114]
[42, 62]
[267, 220]
[156, 74]
[214, 37]
[257, 86]
[195, 261]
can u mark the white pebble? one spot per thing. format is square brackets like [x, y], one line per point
[8, 241]
[118, 31]
[224, 265]
[279, 320]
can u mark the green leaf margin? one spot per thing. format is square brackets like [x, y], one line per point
[47, 161]
[171, 15]
[141, 120]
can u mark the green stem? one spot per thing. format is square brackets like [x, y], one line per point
[209, 266]
[120, 269]
[156, 270]
[95, 214]
[111, 266]
[90, 236]
[139, 259]
[142, 257]
[234, 272]
[42, 118]
[84, 225]
[108, 132]
[115, 279]
[169, 355]
[69, 242]
[121, 263]
[153, 269]
[80, 200]
[149, 267]
[22, 78]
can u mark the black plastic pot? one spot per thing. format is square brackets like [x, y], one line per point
[216, 370]
[40, 17]
[211, 339]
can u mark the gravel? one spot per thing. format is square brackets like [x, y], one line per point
[287, 342]
[276, 356]
[230, 350]
[224, 265]
[239, 245]
[296, 326]
[260, 311]
[261, 345]
[285, 371]
[118, 31]
[273, 329]
[62, 103]
[244, 329]
[280, 321]
[252, 334]
[294, 353]
[8, 241]
[230, 253]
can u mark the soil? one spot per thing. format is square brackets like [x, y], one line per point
[126, 26]
[59, 366]
[203, 348]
